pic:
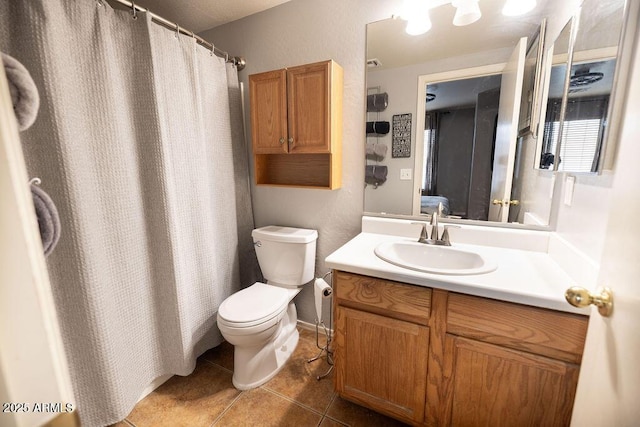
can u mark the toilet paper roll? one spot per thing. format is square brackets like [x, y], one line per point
[321, 291]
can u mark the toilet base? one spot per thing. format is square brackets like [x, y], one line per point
[254, 366]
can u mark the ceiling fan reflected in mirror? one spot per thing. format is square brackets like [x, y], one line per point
[584, 77]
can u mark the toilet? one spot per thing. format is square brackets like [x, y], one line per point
[260, 321]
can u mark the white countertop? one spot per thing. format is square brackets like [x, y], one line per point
[525, 277]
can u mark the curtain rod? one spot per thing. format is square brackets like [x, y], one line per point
[238, 61]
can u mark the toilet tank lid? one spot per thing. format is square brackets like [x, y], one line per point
[275, 233]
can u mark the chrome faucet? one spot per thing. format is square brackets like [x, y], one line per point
[443, 240]
[434, 223]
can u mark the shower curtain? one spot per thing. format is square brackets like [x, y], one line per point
[139, 142]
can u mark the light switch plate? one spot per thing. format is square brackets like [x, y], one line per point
[405, 174]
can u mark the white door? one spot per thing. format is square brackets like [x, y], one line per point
[507, 132]
[33, 366]
[609, 386]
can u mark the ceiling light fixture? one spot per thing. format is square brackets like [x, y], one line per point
[416, 12]
[467, 12]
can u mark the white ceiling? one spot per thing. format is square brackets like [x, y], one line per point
[200, 15]
[388, 42]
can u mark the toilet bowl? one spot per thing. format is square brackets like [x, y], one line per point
[260, 320]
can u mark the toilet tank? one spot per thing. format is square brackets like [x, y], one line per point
[287, 256]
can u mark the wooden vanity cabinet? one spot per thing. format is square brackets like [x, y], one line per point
[296, 125]
[489, 362]
[381, 344]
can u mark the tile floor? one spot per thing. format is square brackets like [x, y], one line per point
[292, 398]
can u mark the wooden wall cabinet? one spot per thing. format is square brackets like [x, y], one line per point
[486, 362]
[296, 125]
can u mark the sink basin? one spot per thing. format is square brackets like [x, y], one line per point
[434, 259]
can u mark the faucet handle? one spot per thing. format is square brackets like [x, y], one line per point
[434, 218]
[445, 234]
[423, 233]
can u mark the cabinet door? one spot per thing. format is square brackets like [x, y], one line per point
[309, 111]
[268, 95]
[489, 385]
[382, 363]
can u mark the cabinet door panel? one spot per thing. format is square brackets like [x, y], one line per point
[494, 386]
[268, 93]
[382, 363]
[309, 92]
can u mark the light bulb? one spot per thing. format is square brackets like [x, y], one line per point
[467, 12]
[416, 13]
[518, 7]
[418, 25]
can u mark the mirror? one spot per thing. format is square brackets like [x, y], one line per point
[395, 61]
[581, 110]
[532, 84]
[557, 61]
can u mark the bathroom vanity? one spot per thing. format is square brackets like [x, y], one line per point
[431, 349]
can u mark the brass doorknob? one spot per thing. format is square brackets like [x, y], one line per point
[505, 202]
[581, 297]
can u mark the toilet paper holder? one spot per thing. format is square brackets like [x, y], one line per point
[324, 291]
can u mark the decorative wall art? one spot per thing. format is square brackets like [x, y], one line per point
[401, 135]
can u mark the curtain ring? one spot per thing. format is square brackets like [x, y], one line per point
[177, 30]
[35, 181]
[134, 11]
[100, 3]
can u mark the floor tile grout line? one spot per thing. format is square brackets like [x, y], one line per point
[326, 412]
[344, 423]
[289, 399]
[333, 398]
[226, 409]
[218, 365]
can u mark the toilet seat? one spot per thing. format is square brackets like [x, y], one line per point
[256, 305]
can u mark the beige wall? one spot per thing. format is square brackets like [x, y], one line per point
[304, 31]
[299, 32]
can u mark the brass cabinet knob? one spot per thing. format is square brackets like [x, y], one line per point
[497, 202]
[290, 140]
[581, 297]
[514, 202]
[282, 140]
